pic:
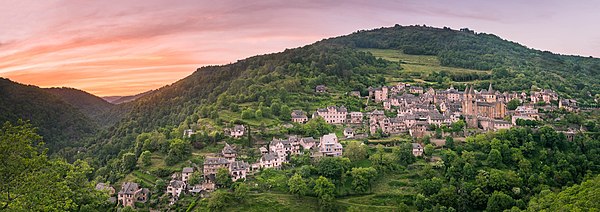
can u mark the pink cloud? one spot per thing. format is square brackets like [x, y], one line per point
[116, 47]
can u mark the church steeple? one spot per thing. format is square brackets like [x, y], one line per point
[490, 89]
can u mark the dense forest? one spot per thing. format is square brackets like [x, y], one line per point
[517, 169]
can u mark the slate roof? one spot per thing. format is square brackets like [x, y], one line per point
[417, 146]
[238, 166]
[308, 140]
[188, 170]
[129, 188]
[228, 149]
[215, 161]
[176, 183]
[268, 157]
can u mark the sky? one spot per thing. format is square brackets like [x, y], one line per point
[118, 47]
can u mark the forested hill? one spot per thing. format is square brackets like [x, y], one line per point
[515, 66]
[91, 106]
[342, 64]
[256, 79]
[61, 124]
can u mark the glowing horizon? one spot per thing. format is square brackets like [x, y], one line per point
[123, 48]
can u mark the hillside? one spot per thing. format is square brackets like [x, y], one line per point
[60, 123]
[122, 99]
[211, 90]
[514, 66]
[459, 57]
[92, 106]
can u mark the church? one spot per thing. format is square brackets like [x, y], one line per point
[483, 104]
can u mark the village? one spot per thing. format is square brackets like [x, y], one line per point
[417, 110]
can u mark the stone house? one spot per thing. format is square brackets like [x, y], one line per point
[270, 160]
[356, 118]
[332, 114]
[281, 147]
[418, 130]
[417, 149]
[238, 170]
[329, 145]
[211, 165]
[174, 189]
[321, 89]
[186, 174]
[349, 132]
[238, 131]
[544, 95]
[228, 152]
[381, 94]
[299, 116]
[568, 104]
[307, 143]
[131, 193]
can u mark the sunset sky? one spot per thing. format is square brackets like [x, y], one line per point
[118, 47]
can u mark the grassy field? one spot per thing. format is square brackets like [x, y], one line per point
[416, 66]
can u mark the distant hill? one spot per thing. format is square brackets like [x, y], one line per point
[92, 106]
[60, 123]
[122, 99]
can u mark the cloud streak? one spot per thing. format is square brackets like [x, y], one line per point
[116, 47]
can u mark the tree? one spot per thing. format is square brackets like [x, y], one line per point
[333, 167]
[513, 104]
[361, 178]
[582, 197]
[240, 190]
[324, 190]
[297, 185]
[178, 150]
[317, 127]
[258, 113]
[431, 186]
[222, 177]
[285, 113]
[195, 178]
[128, 161]
[218, 200]
[499, 202]
[32, 182]
[458, 126]
[478, 199]
[146, 158]
[248, 114]
[276, 108]
[404, 154]
[494, 158]
[355, 151]
[450, 142]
